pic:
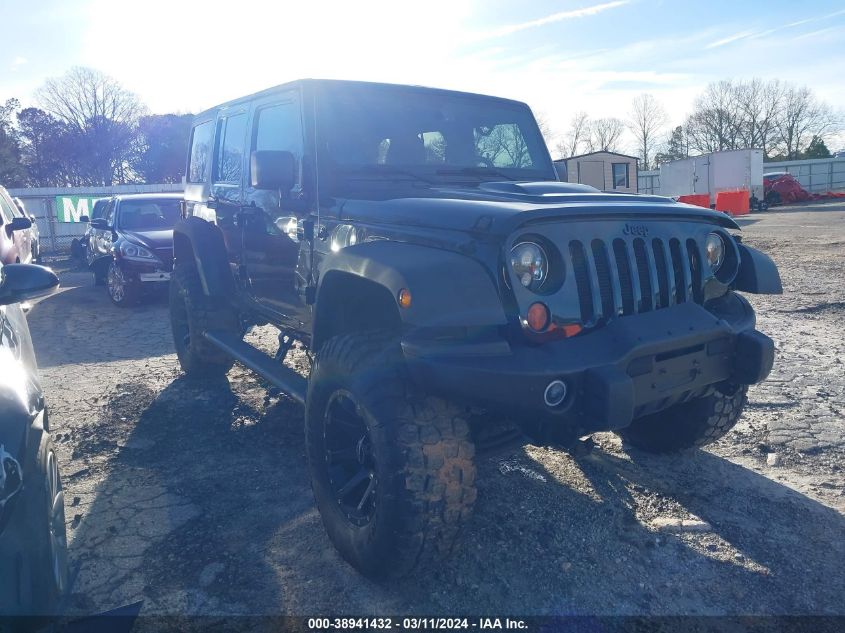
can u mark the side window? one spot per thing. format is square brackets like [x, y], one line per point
[230, 148]
[109, 212]
[278, 127]
[200, 158]
[97, 211]
[620, 175]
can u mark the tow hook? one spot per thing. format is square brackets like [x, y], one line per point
[11, 480]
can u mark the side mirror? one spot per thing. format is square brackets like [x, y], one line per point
[272, 169]
[18, 224]
[84, 218]
[21, 282]
[99, 224]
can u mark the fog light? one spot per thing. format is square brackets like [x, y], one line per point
[555, 393]
[538, 317]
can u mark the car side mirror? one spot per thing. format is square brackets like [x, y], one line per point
[18, 224]
[99, 224]
[273, 170]
[21, 282]
[84, 218]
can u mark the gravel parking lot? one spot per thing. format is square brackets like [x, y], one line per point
[195, 499]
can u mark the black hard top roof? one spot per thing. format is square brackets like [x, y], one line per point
[344, 82]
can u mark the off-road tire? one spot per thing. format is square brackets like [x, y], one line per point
[191, 314]
[687, 425]
[422, 449]
[46, 575]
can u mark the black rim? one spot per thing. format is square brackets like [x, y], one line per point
[349, 459]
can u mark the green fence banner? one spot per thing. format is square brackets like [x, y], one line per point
[71, 208]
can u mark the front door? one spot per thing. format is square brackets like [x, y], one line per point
[274, 249]
[101, 239]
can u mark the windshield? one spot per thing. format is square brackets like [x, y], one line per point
[428, 135]
[148, 215]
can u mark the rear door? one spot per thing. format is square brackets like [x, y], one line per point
[274, 253]
[227, 177]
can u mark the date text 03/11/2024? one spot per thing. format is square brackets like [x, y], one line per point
[417, 623]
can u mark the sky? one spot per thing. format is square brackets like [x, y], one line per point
[559, 56]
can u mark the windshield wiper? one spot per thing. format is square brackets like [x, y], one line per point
[476, 171]
[383, 170]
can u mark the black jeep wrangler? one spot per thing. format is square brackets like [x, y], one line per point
[419, 244]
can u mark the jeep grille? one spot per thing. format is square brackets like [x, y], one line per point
[631, 276]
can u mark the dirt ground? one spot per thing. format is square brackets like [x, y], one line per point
[195, 500]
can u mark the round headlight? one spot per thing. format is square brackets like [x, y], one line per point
[714, 249]
[530, 264]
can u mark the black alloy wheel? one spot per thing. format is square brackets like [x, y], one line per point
[349, 458]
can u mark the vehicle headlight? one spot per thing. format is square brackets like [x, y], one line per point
[345, 235]
[130, 250]
[714, 250]
[530, 264]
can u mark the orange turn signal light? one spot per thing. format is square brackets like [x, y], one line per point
[404, 298]
[538, 316]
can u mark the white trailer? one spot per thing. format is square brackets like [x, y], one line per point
[712, 173]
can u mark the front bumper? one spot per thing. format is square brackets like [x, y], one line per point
[634, 366]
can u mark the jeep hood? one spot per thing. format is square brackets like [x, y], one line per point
[501, 207]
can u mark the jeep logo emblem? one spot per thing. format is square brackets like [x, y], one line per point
[635, 229]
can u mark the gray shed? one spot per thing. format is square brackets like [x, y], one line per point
[606, 171]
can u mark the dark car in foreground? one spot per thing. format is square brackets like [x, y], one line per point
[419, 245]
[33, 543]
[130, 247]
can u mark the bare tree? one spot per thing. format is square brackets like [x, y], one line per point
[102, 115]
[802, 117]
[758, 103]
[577, 137]
[605, 134]
[646, 122]
[545, 127]
[715, 121]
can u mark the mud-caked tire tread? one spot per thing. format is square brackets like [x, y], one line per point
[688, 425]
[431, 473]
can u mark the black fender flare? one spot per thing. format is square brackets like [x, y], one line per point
[757, 273]
[447, 289]
[201, 241]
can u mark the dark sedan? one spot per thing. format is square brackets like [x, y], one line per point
[33, 541]
[131, 247]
